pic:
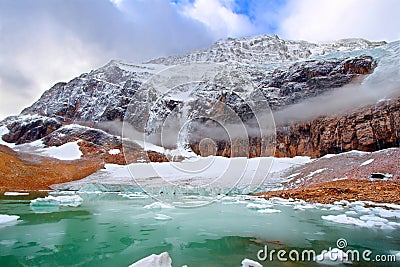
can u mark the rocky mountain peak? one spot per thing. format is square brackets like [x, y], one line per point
[286, 72]
[265, 49]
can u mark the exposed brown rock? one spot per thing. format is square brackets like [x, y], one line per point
[23, 171]
[349, 189]
[368, 129]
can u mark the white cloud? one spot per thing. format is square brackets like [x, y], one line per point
[332, 20]
[48, 41]
[219, 18]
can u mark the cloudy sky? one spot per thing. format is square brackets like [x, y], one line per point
[46, 41]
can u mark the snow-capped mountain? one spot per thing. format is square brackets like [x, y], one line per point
[266, 49]
[276, 66]
[284, 72]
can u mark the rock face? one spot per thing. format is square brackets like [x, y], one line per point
[367, 129]
[30, 128]
[307, 79]
[101, 95]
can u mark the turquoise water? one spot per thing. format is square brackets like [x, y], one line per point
[113, 230]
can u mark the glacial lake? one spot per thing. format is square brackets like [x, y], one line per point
[114, 229]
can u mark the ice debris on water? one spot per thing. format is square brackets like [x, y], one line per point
[7, 219]
[269, 211]
[68, 200]
[258, 206]
[158, 205]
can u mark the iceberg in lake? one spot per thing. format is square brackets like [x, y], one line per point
[8, 220]
[162, 260]
[69, 201]
[250, 263]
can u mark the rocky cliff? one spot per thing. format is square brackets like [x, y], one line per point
[368, 129]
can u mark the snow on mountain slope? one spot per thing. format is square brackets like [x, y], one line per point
[103, 94]
[266, 49]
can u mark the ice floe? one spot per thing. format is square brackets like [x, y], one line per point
[161, 260]
[8, 220]
[65, 200]
[269, 211]
[250, 263]
[158, 205]
[368, 221]
[258, 206]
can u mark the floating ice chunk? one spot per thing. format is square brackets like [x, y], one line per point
[387, 213]
[16, 193]
[361, 209]
[333, 257]
[387, 227]
[257, 206]
[268, 211]
[5, 219]
[282, 201]
[158, 205]
[365, 221]
[162, 217]
[250, 263]
[336, 208]
[70, 201]
[303, 206]
[367, 162]
[394, 224]
[351, 212]
[343, 219]
[373, 218]
[162, 260]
